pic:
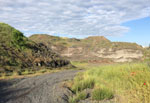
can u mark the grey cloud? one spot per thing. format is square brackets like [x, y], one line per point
[73, 17]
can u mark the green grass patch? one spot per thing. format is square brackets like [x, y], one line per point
[130, 81]
[100, 94]
[85, 64]
[80, 65]
[79, 96]
[80, 85]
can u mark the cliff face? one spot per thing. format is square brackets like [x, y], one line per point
[123, 55]
[92, 48]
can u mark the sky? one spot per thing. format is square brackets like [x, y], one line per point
[139, 32]
[118, 20]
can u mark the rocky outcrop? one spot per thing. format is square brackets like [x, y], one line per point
[123, 55]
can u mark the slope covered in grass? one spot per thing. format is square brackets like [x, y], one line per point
[91, 42]
[18, 53]
[124, 83]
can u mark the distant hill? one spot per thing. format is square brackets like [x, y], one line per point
[18, 53]
[97, 48]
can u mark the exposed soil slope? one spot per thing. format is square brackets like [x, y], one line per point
[91, 48]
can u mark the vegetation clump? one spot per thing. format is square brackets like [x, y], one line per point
[18, 39]
[101, 94]
[80, 85]
[79, 96]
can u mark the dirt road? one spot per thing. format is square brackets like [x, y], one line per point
[39, 89]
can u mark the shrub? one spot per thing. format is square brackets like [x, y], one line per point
[18, 39]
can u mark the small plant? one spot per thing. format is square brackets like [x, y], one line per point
[42, 71]
[79, 96]
[27, 72]
[100, 94]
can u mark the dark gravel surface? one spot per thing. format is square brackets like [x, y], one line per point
[39, 89]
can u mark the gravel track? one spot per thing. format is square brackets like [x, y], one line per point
[39, 89]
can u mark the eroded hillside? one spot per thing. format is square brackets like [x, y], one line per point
[18, 53]
[96, 48]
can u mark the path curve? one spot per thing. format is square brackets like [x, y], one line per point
[38, 89]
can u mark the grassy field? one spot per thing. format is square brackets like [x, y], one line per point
[122, 83]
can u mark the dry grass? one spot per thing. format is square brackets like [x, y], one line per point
[28, 74]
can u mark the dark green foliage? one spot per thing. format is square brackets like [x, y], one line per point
[12, 62]
[18, 39]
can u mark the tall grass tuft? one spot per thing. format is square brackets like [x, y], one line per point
[100, 94]
[80, 85]
[79, 96]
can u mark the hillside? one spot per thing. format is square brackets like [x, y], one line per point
[18, 53]
[97, 48]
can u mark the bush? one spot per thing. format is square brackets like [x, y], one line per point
[18, 39]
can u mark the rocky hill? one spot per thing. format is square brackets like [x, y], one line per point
[94, 48]
[18, 53]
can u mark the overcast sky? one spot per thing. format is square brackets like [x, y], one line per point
[74, 18]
